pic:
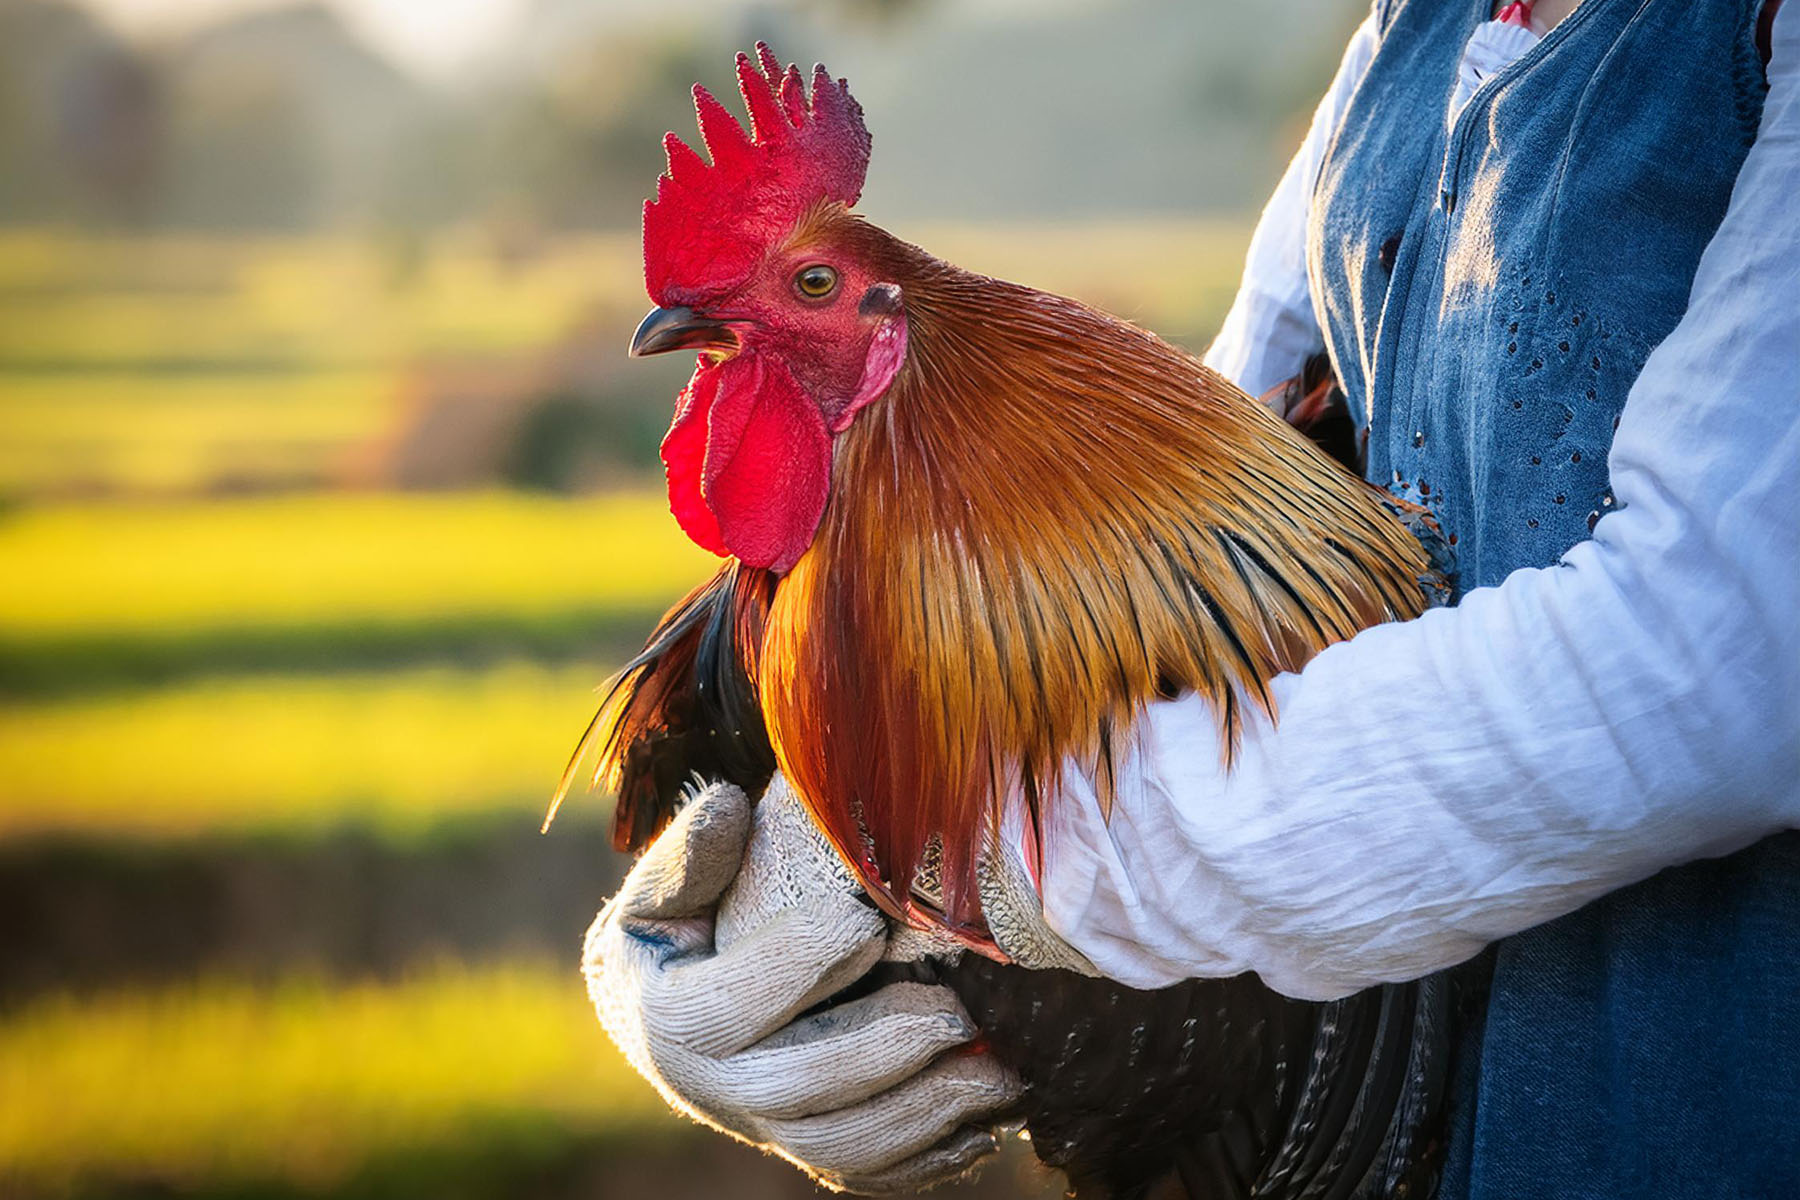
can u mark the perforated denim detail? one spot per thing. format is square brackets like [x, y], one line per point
[1545, 246]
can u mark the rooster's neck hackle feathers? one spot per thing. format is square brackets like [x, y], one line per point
[709, 224]
[1050, 519]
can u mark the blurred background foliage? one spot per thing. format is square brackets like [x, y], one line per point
[327, 496]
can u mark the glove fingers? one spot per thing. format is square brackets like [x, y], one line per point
[718, 1004]
[885, 1130]
[940, 1164]
[688, 868]
[832, 1059]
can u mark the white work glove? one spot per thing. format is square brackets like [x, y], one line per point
[702, 989]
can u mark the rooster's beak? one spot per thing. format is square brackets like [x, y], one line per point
[667, 329]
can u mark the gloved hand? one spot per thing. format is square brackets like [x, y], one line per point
[702, 992]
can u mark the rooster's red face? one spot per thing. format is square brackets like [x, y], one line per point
[748, 262]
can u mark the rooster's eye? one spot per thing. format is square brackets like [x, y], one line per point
[816, 282]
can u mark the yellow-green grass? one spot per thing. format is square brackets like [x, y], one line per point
[99, 594]
[176, 433]
[1173, 275]
[310, 560]
[37, 261]
[302, 1083]
[398, 751]
[325, 301]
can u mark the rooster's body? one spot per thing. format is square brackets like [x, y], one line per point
[974, 530]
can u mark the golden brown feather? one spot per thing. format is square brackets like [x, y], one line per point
[1050, 518]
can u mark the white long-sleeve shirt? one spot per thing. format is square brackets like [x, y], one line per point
[1434, 785]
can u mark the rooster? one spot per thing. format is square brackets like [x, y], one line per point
[971, 530]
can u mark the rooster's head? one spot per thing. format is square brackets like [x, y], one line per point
[753, 261]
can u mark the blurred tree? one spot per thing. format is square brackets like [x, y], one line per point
[110, 131]
[284, 118]
[879, 12]
[581, 146]
[243, 156]
[80, 118]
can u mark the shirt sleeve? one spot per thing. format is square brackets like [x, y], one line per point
[1271, 330]
[1436, 784]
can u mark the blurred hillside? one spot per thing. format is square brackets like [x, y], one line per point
[284, 120]
[327, 495]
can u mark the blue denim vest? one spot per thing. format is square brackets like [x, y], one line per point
[1489, 292]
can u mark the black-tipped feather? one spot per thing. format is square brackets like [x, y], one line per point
[683, 707]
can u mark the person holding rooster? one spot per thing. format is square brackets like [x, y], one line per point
[1554, 257]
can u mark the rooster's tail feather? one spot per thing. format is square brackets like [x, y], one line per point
[685, 706]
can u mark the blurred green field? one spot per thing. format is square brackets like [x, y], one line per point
[103, 590]
[110, 431]
[328, 495]
[334, 560]
[1175, 276]
[70, 301]
[396, 750]
[302, 1083]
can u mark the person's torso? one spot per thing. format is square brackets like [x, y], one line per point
[1489, 293]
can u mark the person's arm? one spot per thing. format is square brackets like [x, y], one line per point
[1435, 785]
[1271, 330]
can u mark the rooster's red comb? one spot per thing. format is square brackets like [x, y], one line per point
[709, 225]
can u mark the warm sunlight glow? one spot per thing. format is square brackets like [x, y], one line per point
[431, 35]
